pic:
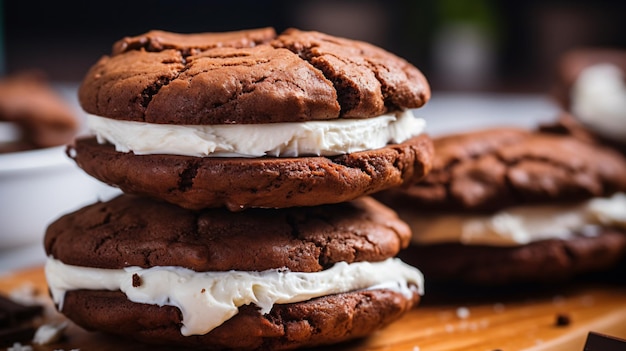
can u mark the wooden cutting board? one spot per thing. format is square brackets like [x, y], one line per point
[444, 321]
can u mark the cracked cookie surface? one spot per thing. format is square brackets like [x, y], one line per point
[249, 77]
[136, 231]
[240, 183]
[490, 169]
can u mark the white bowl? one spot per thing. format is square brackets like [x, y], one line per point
[36, 188]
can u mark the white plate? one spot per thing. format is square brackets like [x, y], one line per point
[36, 187]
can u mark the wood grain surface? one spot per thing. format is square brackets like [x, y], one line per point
[446, 320]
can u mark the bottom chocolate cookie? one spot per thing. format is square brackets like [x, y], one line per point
[320, 321]
[542, 261]
[266, 182]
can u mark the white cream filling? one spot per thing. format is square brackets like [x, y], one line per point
[320, 138]
[609, 211]
[518, 225]
[599, 100]
[207, 299]
[9, 132]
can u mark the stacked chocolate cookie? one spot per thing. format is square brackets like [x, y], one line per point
[245, 159]
[508, 206]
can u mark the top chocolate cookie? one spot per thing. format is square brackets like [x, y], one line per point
[247, 77]
[489, 169]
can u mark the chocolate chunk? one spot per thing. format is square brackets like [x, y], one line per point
[562, 320]
[136, 280]
[15, 321]
[12, 313]
[10, 335]
[602, 342]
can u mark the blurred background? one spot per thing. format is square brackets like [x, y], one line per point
[488, 63]
[508, 46]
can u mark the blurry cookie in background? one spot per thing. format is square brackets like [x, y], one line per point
[591, 85]
[509, 205]
[32, 114]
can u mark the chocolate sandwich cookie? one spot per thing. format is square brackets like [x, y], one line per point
[214, 279]
[508, 205]
[253, 119]
[33, 114]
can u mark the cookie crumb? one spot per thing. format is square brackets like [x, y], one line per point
[498, 307]
[587, 301]
[462, 312]
[562, 320]
[26, 294]
[136, 280]
[19, 347]
[49, 333]
[202, 291]
[558, 300]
